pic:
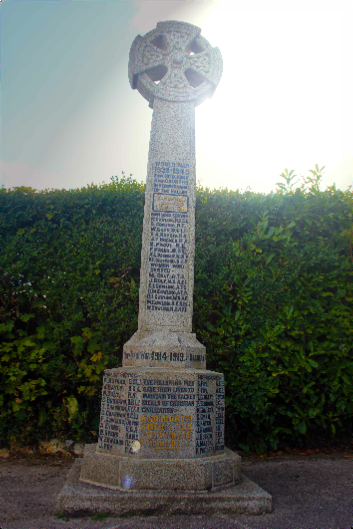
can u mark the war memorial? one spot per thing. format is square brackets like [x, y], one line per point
[161, 436]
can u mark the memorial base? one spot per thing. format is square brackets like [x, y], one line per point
[79, 499]
[130, 475]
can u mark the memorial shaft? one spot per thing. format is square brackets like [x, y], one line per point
[168, 242]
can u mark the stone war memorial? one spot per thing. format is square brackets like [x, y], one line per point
[161, 435]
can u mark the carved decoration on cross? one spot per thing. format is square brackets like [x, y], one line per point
[174, 62]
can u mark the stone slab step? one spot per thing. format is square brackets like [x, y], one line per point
[81, 499]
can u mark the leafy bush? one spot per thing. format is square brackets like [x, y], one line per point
[272, 303]
[274, 298]
[69, 269]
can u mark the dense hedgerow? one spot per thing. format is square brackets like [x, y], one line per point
[272, 303]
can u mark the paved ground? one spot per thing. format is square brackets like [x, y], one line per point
[309, 492]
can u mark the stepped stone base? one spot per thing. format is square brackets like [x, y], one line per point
[128, 474]
[82, 499]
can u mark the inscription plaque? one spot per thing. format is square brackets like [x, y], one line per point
[162, 412]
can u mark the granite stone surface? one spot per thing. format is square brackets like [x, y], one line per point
[164, 66]
[162, 413]
[182, 62]
[84, 499]
[163, 405]
[161, 435]
[164, 349]
[129, 474]
[168, 239]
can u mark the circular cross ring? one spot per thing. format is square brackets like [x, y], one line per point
[175, 63]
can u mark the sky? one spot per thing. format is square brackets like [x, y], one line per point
[69, 117]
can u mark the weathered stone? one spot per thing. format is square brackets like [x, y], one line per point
[74, 448]
[172, 55]
[52, 447]
[168, 240]
[207, 473]
[78, 449]
[176, 55]
[164, 349]
[163, 376]
[162, 413]
[83, 499]
[177, 414]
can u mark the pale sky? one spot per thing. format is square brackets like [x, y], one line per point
[70, 118]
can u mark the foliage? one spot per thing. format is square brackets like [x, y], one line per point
[69, 268]
[273, 286]
[272, 303]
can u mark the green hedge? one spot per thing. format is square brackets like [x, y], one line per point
[272, 303]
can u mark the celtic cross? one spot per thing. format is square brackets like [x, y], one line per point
[175, 69]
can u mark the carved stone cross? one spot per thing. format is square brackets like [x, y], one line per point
[175, 69]
[161, 433]
[163, 404]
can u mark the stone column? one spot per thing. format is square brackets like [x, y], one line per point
[168, 241]
[175, 69]
[162, 414]
[168, 245]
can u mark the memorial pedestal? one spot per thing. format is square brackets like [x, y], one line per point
[83, 499]
[162, 412]
[160, 450]
[195, 475]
